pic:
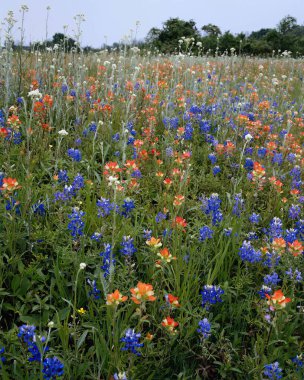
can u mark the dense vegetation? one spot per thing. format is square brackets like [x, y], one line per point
[151, 215]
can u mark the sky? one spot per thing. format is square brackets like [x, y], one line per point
[108, 21]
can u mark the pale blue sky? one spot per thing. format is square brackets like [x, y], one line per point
[115, 18]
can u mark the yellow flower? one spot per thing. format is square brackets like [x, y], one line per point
[81, 311]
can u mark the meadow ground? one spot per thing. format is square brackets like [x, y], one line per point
[151, 216]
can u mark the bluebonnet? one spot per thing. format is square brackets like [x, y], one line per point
[275, 228]
[52, 368]
[272, 279]
[120, 376]
[238, 205]
[63, 176]
[136, 174]
[17, 138]
[188, 132]
[264, 290]
[27, 335]
[204, 328]
[216, 170]
[147, 234]
[92, 127]
[106, 260]
[13, 205]
[262, 152]
[75, 154]
[211, 206]
[290, 235]
[278, 158]
[296, 275]
[95, 292]
[298, 361]
[205, 233]
[300, 229]
[211, 294]
[204, 126]
[228, 231]
[212, 158]
[2, 358]
[64, 88]
[39, 209]
[116, 137]
[104, 207]
[78, 182]
[291, 157]
[169, 152]
[273, 371]
[271, 259]
[76, 224]
[127, 246]
[131, 340]
[2, 175]
[248, 253]
[252, 235]
[127, 206]
[248, 165]
[160, 216]
[254, 218]
[96, 236]
[294, 211]
[249, 151]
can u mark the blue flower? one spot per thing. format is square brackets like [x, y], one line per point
[211, 294]
[238, 206]
[131, 340]
[63, 176]
[294, 211]
[273, 371]
[254, 218]
[75, 154]
[127, 207]
[76, 224]
[107, 262]
[205, 233]
[216, 170]
[127, 246]
[104, 207]
[248, 253]
[95, 292]
[272, 279]
[52, 368]
[2, 358]
[204, 328]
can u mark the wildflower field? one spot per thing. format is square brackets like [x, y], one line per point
[151, 216]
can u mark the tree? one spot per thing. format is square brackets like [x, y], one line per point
[166, 39]
[287, 24]
[211, 30]
[62, 40]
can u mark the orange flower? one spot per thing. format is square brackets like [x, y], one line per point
[295, 248]
[279, 244]
[277, 300]
[180, 222]
[10, 184]
[116, 298]
[167, 182]
[172, 300]
[143, 292]
[154, 242]
[178, 200]
[170, 324]
[165, 257]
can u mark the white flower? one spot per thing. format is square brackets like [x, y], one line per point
[63, 132]
[35, 94]
[248, 137]
[82, 265]
[51, 324]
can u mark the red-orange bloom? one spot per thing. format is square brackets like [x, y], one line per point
[277, 300]
[170, 324]
[10, 184]
[295, 248]
[143, 292]
[172, 300]
[116, 298]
